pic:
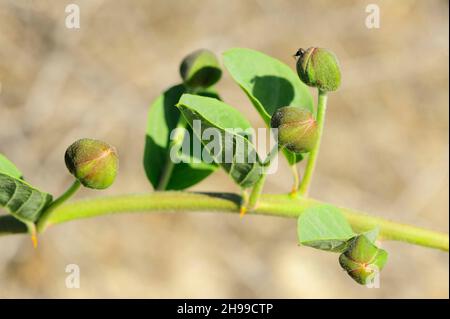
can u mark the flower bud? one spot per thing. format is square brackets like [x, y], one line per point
[297, 128]
[363, 260]
[94, 163]
[319, 68]
[200, 69]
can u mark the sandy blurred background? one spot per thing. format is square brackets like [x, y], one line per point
[385, 148]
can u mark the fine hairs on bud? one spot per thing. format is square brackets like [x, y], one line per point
[319, 68]
[94, 163]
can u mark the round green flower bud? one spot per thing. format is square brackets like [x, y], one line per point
[363, 260]
[297, 128]
[319, 68]
[200, 69]
[94, 163]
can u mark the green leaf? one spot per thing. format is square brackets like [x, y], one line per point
[292, 158]
[269, 84]
[162, 119]
[22, 200]
[7, 167]
[324, 227]
[225, 119]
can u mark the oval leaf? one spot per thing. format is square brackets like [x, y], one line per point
[269, 84]
[324, 227]
[162, 119]
[22, 200]
[237, 155]
[7, 167]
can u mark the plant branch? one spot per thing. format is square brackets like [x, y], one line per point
[57, 202]
[312, 158]
[176, 142]
[253, 200]
[296, 178]
[270, 205]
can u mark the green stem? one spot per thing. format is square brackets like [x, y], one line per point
[269, 205]
[270, 157]
[312, 158]
[296, 177]
[257, 189]
[43, 220]
[243, 202]
[256, 193]
[176, 142]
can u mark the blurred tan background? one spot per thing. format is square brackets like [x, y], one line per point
[385, 148]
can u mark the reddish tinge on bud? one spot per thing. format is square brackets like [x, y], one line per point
[297, 128]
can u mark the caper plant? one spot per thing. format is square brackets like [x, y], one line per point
[177, 156]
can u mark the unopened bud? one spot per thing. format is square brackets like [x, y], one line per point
[94, 163]
[297, 128]
[319, 68]
[363, 260]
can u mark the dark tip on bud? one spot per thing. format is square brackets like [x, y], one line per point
[363, 260]
[94, 163]
[297, 128]
[200, 69]
[299, 53]
[319, 68]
